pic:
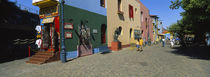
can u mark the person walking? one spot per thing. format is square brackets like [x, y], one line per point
[171, 42]
[141, 44]
[163, 42]
[137, 45]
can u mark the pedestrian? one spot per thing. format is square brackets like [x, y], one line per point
[208, 41]
[163, 42]
[137, 45]
[141, 44]
[171, 42]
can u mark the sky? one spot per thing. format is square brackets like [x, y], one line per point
[161, 8]
[156, 7]
[26, 4]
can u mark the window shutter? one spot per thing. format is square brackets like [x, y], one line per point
[131, 11]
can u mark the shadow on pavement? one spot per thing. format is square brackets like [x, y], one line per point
[193, 52]
[68, 60]
[107, 52]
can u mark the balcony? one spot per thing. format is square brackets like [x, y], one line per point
[45, 3]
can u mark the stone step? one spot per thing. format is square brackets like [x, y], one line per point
[45, 53]
[42, 56]
[38, 59]
[34, 62]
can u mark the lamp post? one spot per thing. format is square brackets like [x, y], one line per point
[63, 53]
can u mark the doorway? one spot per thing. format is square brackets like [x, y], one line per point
[130, 32]
[49, 38]
[103, 33]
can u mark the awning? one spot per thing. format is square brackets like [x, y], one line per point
[48, 20]
[161, 34]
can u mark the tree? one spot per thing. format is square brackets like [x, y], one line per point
[175, 28]
[196, 17]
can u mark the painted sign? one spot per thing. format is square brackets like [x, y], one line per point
[38, 28]
[48, 10]
[48, 20]
[95, 31]
[68, 35]
[68, 26]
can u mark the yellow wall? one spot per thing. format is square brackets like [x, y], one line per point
[114, 20]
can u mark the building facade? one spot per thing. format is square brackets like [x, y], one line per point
[146, 23]
[155, 24]
[85, 26]
[123, 14]
[90, 25]
[90, 16]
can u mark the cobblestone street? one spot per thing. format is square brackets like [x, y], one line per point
[154, 61]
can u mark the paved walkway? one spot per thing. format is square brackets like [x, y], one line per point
[154, 61]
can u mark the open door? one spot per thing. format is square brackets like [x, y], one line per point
[50, 35]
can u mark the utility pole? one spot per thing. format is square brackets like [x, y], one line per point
[63, 53]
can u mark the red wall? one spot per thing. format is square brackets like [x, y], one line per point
[146, 30]
[57, 24]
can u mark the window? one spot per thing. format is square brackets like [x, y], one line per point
[136, 10]
[130, 32]
[146, 23]
[119, 5]
[142, 19]
[137, 34]
[130, 11]
[120, 31]
[102, 3]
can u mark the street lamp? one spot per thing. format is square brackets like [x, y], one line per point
[63, 53]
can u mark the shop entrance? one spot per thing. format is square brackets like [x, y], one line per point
[49, 38]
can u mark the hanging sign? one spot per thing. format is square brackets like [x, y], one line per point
[38, 28]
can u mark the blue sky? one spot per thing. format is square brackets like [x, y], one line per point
[26, 4]
[156, 7]
[161, 8]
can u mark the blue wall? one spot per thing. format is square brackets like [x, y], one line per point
[167, 35]
[90, 5]
[71, 54]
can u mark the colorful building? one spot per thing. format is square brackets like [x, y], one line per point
[85, 27]
[90, 15]
[90, 25]
[155, 23]
[123, 14]
[146, 23]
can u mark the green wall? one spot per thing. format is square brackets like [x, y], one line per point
[94, 22]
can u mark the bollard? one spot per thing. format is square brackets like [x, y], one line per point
[29, 51]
